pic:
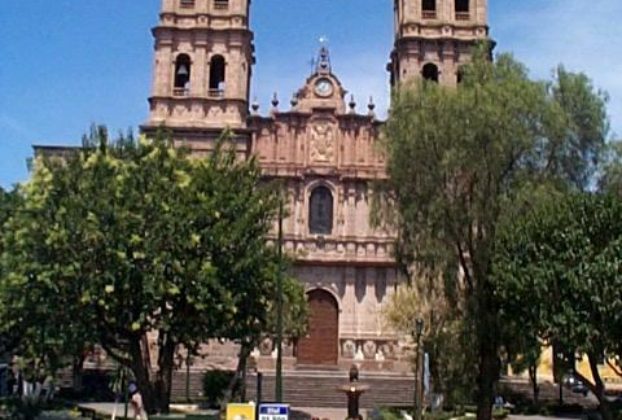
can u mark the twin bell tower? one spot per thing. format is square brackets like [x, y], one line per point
[204, 56]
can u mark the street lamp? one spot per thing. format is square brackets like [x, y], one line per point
[278, 388]
[418, 370]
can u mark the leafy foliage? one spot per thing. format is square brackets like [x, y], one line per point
[461, 160]
[610, 180]
[124, 240]
[445, 336]
[558, 272]
[214, 384]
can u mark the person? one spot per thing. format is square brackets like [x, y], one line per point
[136, 401]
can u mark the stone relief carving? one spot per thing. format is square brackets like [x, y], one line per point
[322, 141]
[369, 349]
[265, 347]
[389, 350]
[348, 349]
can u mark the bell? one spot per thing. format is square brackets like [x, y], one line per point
[182, 70]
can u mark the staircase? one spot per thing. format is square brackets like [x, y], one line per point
[306, 388]
[311, 388]
[318, 388]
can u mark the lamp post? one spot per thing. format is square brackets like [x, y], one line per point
[418, 370]
[278, 389]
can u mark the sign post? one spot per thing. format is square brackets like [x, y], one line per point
[274, 412]
[241, 411]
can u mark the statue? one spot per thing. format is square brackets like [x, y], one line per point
[354, 374]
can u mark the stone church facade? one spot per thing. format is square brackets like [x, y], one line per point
[324, 152]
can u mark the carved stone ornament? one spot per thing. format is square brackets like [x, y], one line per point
[322, 141]
[369, 349]
[265, 347]
[348, 349]
[389, 350]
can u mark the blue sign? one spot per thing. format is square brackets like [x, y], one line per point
[274, 412]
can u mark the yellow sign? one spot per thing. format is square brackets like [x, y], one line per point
[240, 411]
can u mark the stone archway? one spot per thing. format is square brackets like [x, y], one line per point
[321, 344]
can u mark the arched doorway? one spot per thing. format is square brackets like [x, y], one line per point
[321, 345]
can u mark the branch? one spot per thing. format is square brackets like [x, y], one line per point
[587, 382]
[465, 268]
[124, 360]
[614, 368]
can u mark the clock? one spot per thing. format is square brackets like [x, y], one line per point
[323, 87]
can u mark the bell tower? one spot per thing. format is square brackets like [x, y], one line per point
[433, 38]
[202, 68]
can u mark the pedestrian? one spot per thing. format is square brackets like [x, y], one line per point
[136, 401]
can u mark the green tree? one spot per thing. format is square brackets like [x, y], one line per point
[610, 179]
[444, 335]
[564, 258]
[458, 159]
[136, 241]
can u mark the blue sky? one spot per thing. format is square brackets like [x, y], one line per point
[65, 64]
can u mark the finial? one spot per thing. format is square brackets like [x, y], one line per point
[255, 106]
[323, 61]
[275, 101]
[294, 100]
[371, 105]
[352, 104]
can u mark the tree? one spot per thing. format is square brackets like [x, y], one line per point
[141, 244]
[458, 159]
[445, 338]
[564, 258]
[610, 180]
[6, 210]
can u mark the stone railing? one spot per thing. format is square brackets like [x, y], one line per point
[340, 250]
[359, 349]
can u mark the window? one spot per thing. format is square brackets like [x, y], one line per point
[217, 76]
[430, 72]
[221, 4]
[182, 74]
[186, 4]
[462, 9]
[428, 9]
[321, 211]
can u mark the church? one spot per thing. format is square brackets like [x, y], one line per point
[319, 147]
[327, 157]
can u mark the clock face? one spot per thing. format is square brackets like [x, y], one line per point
[323, 87]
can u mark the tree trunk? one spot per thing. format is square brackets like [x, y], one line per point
[155, 389]
[141, 369]
[164, 377]
[77, 370]
[487, 334]
[533, 376]
[486, 380]
[245, 351]
[599, 389]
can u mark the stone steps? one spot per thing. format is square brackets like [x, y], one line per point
[319, 389]
[311, 388]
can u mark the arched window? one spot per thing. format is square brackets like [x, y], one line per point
[321, 211]
[428, 8]
[462, 9]
[217, 75]
[430, 72]
[182, 73]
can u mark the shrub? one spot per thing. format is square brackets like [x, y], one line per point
[215, 383]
